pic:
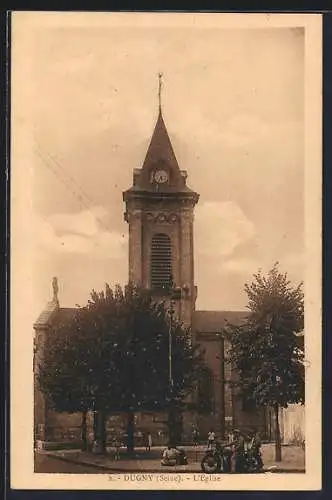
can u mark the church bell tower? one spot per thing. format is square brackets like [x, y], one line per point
[160, 213]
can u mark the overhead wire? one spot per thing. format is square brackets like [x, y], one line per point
[79, 193]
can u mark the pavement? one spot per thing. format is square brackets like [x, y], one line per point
[293, 460]
[47, 464]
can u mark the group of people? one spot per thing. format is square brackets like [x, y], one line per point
[239, 444]
[172, 455]
[196, 437]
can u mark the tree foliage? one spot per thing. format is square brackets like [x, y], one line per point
[113, 356]
[265, 348]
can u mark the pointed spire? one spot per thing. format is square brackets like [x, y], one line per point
[160, 148]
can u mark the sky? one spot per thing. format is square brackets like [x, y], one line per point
[233, 104]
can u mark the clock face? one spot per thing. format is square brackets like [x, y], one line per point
[161, 176]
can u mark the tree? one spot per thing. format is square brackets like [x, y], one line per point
[118, 345]
[266, 348]
[63, 376]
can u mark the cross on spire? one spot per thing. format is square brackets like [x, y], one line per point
[55, 287]
[159, 90]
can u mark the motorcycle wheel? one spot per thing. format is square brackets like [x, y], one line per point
[253, 467]
[210, 464]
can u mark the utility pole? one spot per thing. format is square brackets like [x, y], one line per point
[171, 313]
[175, 295]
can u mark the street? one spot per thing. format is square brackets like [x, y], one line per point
[78, 462]
[44, 463]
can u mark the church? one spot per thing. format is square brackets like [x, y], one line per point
[159, 210]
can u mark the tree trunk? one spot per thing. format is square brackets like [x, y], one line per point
[100, 432]
[94, 424]
[178, 426]
[84, 431]
[130, 431]
[277, 435]
[174, 425]
[171, 426]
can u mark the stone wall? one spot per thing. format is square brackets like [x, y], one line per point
[214, 360]
[292, 424]
[63, 427]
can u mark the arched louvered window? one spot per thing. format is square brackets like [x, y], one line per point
[161, 261]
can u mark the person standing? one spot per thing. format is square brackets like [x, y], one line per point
[195, 437]
[211, 438]
[255, 447]
[238, 451]
[228, 452]
[117, 446]
[148, 444]
[230, 437]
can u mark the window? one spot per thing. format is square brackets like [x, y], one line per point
[161, 261]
